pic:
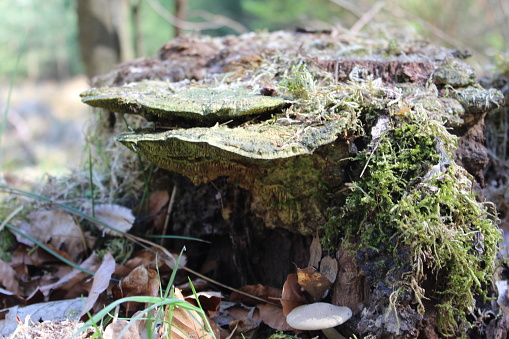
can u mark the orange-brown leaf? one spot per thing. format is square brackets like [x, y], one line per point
[292, 295]
[314, 282]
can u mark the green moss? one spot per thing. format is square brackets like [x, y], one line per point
[412, 196]
[7, 244]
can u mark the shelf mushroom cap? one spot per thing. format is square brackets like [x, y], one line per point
[318, 316]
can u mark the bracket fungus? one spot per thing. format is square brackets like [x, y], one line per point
[287, 168]
[157, 101]
[319, 316]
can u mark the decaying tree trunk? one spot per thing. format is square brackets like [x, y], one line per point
[274, 138]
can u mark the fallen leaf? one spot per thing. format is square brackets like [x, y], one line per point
[9, 280]
[136, 329]
[101, 282]
[315, 252]
[74, 278]
[54, 227]
[209, 301]
[273, 317]
[154, 258]
[329, 268]
[313, 282]
[184, 324]
[249, 323]
[140, 281]
[157, 207]
[292, 295]
[118, 217]
[260, 291]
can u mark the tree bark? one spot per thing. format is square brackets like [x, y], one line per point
[98, 39]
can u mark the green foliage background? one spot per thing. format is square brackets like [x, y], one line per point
[52, 51]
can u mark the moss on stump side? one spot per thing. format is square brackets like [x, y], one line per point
[414, 205]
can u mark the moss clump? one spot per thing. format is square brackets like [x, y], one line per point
[411, 195]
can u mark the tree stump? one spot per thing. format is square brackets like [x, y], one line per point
[375, 146]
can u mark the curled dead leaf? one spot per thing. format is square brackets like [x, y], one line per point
[9, 279]
[118, 217]
[101, 282]
[184, 324]
[140, 281]
[273, 317]
[292, 295]
[329, 268]
[314, 283]
[209, 301]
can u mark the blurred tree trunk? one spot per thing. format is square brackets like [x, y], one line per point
[136, 15]
[180, 14]
[98, 38]
[122, 20]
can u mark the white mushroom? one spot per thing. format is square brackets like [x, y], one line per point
[319, 316]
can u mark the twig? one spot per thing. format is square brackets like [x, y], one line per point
[220, 21]
[349, 7]
[367, 17]
[168, 212]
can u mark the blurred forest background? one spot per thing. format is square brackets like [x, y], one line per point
[43, 70]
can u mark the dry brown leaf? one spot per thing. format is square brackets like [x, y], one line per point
[140, 281]
[136, 330]
[156, 209]
[292, 295]
[315, 252]
[54, 227]
[184, 324]
[244, 325]
[250, 322]
[9, 280]
[153, 258]
[264, 292]
[74, 279]
[313, 282]
[273, 317]
[101, 282]
[209, 301]
[329, 268]
[119, 217]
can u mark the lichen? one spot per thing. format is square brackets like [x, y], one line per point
[412, 196]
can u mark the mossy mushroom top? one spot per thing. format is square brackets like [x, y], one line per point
[156, 101]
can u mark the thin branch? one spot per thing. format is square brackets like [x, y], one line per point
[220, 21]
[349, 7]
[367, 17]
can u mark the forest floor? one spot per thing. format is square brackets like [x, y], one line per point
[45, 133]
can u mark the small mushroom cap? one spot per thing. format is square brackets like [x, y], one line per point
[318, 316]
